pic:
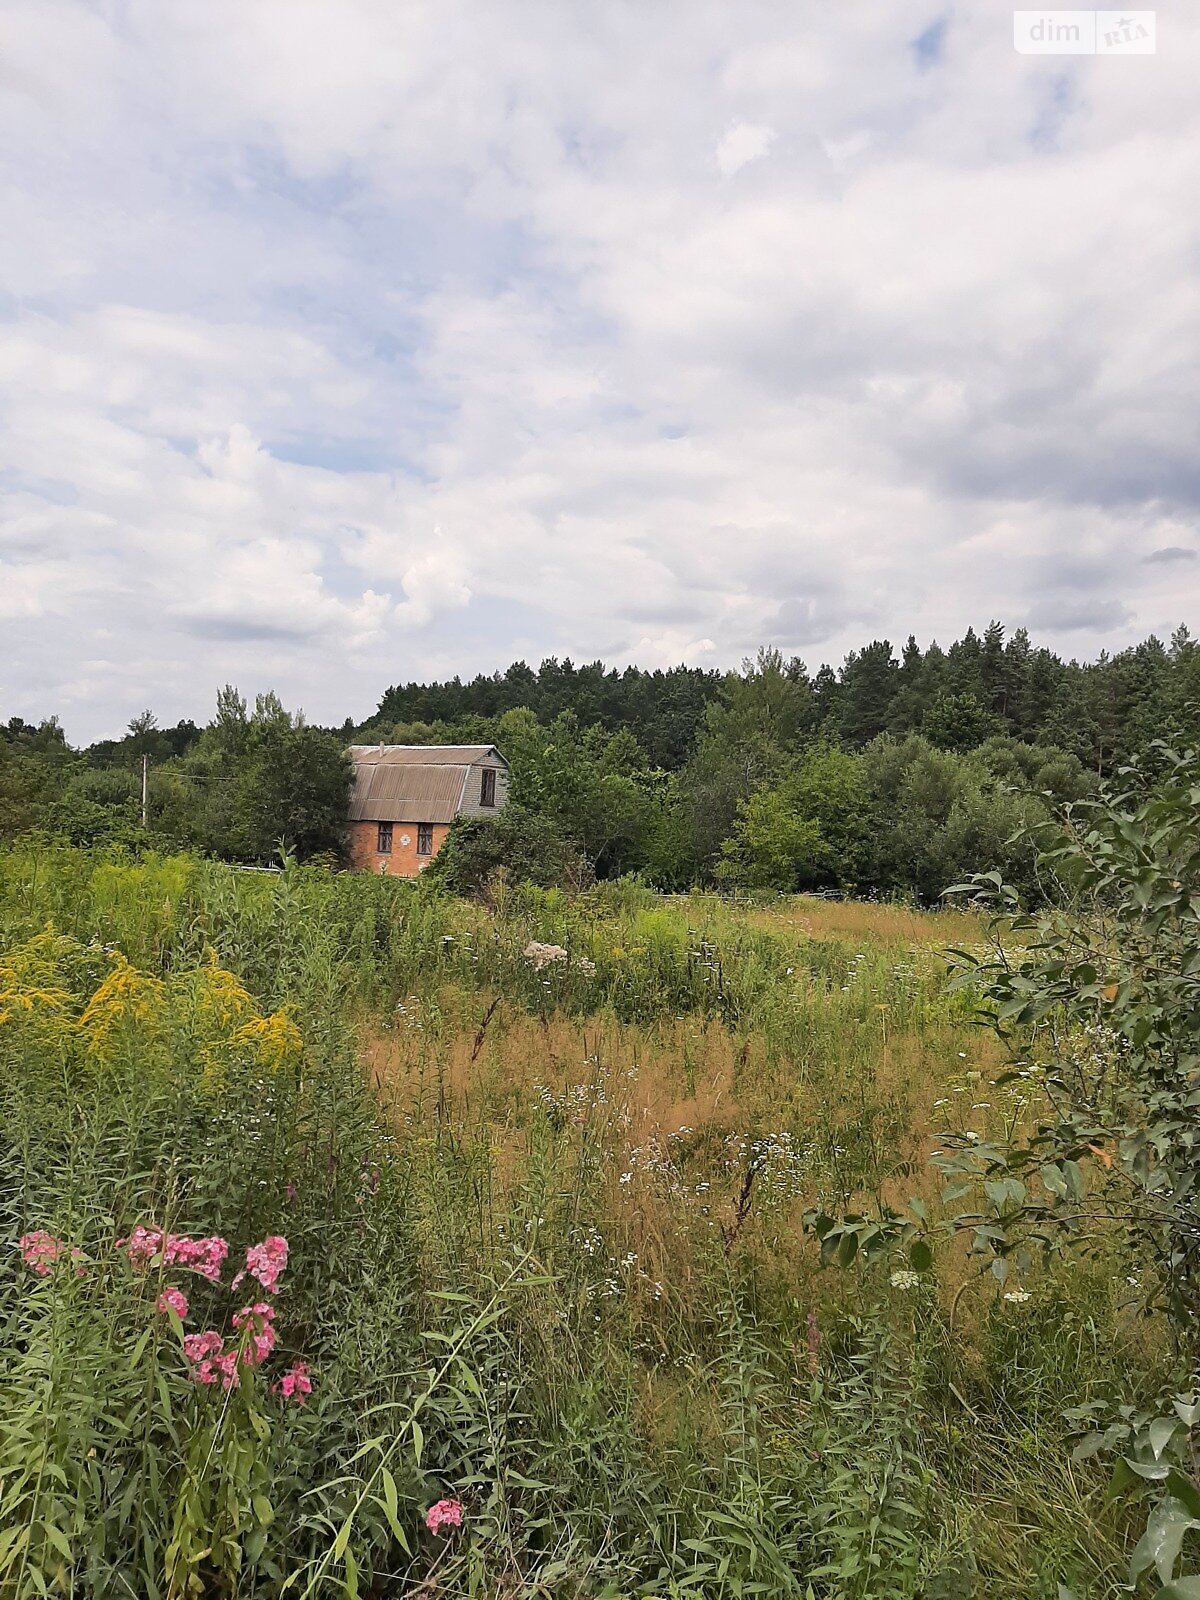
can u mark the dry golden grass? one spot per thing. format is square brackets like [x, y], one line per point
[817, 918]
[662, 1115]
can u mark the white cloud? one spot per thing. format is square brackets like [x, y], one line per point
[742, 143]
[350, 343]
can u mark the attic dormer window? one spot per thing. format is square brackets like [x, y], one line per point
[487, 787]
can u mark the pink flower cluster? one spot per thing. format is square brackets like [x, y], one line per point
[173, 1300]
[204, 1256]
[444, 1513]
[211, 1362]
[40, 1250]
[262, 1335]
[295, 1384]
[265, 1262]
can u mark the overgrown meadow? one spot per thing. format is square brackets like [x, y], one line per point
[516, 1195]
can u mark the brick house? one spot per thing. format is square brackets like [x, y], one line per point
[405, 797]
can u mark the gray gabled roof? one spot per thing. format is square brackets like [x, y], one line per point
[406, 794]
[424, 755]
[412, 782]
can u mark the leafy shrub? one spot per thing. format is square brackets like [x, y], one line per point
[529, 848]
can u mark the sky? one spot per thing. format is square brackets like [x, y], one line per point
[350, 342]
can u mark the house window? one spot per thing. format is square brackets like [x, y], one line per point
[424, 838]
[487, 787]
[384, 843]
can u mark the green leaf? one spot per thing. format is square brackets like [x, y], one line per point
[1153, 1471]
[1161, 1432]
[1162, 1541]
[920, 1255]
[1184, 1490]
[391, 1501]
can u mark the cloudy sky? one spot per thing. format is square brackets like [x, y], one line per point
[353, 341]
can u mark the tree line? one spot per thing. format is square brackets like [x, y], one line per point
[895, 773]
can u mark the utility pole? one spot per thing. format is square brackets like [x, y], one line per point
[145, 791]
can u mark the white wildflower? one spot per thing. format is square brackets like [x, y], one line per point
[541, 955]
[1018, 1297]
[904, 1279]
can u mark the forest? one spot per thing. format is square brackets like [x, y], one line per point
[892, 775]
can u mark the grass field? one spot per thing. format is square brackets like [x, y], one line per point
[546, 1251]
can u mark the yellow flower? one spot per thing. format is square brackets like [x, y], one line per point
[126, 995]
[275, 1040]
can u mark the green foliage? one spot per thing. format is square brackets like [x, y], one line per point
[593, 786]
[523, 845]
[959, 722]
[808, 831]
[936, 816]
[683, 777]
[294, 788]
[1095, 995]
[742, 745]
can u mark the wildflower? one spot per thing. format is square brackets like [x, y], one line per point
[204, 1256]
[226, 1368]
[40, 1250]
[445, 1511]
[588, 968]
[295, 1384]
[290, 1193]
[141, 1244]
[1018, 1296]
[904, 1279]
[178, 1250]
[196, 1346]
[208, 1365]
[173, 1300]
[262, 1338]
[265, 1262]
[541, 955]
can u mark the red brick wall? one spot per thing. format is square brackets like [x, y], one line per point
[403, 862]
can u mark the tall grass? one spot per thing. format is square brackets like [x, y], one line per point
[546, 1254]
